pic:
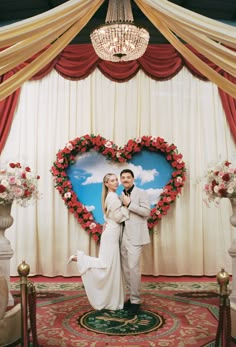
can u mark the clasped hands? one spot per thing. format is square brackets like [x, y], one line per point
[125, 200]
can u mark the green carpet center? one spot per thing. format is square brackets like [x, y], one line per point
[120, 322]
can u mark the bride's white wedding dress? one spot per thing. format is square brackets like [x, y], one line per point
[102, 277]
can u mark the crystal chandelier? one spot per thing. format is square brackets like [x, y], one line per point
[119, 39]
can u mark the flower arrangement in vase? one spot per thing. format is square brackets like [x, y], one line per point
[19, 184]
[220, 182]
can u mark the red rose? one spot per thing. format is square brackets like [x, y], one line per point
[222, 192]
[2, 188]
[95, 237]
[226, 177]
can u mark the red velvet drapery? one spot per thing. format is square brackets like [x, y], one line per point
[7, 109]
[160, 62]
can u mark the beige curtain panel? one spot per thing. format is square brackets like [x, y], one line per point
[191, 239]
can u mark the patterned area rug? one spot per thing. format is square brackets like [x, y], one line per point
[121, 323]
[172, 314]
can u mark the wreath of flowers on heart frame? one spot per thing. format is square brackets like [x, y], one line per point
[67, 157]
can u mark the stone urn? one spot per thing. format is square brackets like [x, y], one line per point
[232, 253]
[6, 252]
[6, 220]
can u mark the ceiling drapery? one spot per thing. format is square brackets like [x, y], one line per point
[174, 21]
[51, 31]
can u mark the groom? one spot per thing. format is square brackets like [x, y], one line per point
[135, 235]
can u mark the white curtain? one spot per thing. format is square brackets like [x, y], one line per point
[192, 239]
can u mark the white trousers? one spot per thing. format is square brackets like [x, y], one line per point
[130, 262]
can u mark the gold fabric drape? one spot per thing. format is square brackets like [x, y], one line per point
[204, 34]
[56, 27]
[51, 31]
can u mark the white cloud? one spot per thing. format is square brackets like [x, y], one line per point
[90, 208]
[145, 176]
[96, 166]
[154, 195]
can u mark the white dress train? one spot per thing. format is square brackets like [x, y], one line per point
[102, 276]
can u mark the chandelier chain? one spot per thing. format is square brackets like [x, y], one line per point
[119, 11]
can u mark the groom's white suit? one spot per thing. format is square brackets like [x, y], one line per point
[135, 235]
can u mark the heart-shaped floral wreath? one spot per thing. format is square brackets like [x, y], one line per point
[67, 157]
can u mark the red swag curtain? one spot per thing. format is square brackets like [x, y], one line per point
[75, 62]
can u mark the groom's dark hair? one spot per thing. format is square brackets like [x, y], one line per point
[127, 171]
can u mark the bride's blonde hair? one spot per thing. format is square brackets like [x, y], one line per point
[105, 189]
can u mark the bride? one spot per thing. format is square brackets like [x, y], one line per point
[102, 277]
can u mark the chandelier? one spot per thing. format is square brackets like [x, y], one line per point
[119, 39]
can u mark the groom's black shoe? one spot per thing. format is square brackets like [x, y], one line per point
[126, 305]
[133, 308]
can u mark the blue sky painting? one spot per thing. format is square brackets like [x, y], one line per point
[151, 169]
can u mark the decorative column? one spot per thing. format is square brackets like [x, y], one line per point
[232, 253]
[6, 252]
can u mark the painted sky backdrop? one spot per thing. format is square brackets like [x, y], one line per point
[151, 170]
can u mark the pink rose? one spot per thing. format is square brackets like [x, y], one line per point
[108, 144]
[12, 180]
[18, 192]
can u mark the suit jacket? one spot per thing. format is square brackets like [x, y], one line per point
[139, 209]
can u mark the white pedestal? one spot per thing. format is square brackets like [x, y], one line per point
[5, 257]
[233, 319]
[232, 297]
[232, 253]
[6, 252]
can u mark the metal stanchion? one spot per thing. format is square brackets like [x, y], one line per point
[32, 313]
[23, 270]
[223, 335]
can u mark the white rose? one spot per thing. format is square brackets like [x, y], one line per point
[67, 195]
[69, 146]
[230, 190]
[108, 144]
[232, 184]
[92, 226]
[3, 195]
